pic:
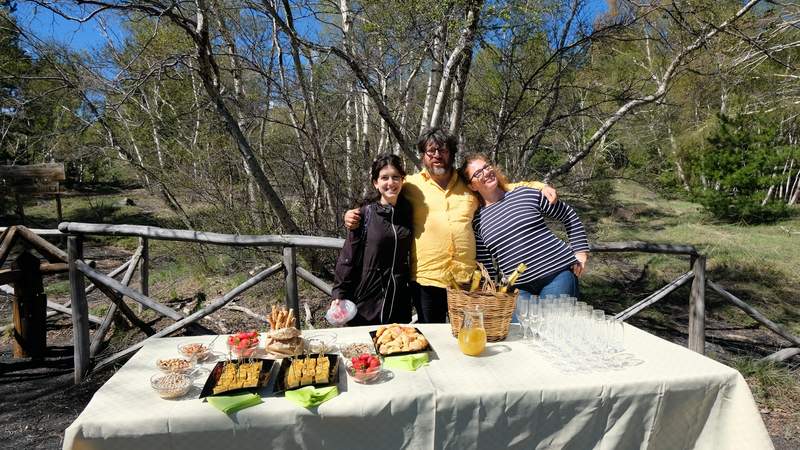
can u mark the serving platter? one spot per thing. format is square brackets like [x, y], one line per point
[427, 348]
[216, 373]
[333, 373]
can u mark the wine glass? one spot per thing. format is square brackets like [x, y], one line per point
[521, 310]
[535, 318]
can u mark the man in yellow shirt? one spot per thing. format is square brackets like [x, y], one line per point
[443, 208]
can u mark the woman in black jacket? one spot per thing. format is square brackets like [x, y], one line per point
[373, 267]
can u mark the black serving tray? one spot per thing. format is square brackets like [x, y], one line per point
[411, 352]
[216, 372]
[333, 375]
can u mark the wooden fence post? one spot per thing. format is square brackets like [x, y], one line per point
[697, 306]
[290, 270]
[30, 308]
[80, 308]
[144, 269]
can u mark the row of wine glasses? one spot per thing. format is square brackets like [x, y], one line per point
[572, 334]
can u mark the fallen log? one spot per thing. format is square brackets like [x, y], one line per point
[247, 311]
[782, 355]
[57, 307]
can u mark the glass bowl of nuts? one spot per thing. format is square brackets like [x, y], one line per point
[175, 365]
[194, 350]
[170, 385]
[354, 349]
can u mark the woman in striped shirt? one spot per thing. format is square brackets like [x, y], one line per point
[510, 228]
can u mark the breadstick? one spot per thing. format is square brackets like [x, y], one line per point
[281, 318]
[290, 318]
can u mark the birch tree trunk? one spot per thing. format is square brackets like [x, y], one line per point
[435, 74]
[462, 76]
[239, 95]
[407, 99]
[209, 74]
[309, 108]
[464, 44]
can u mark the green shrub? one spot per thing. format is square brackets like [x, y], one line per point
[742, 160]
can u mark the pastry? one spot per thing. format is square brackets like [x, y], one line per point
[395, 338]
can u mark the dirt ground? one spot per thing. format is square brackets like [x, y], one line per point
[38, 399]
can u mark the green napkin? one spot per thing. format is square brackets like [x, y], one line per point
[310, 396]
[410, 362]
[232, 403]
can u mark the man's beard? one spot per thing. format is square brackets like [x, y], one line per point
[438, 171]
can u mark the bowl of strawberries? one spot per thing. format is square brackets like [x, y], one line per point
[364, 367]
[243, 344]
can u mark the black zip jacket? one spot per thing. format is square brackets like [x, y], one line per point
[374, 272]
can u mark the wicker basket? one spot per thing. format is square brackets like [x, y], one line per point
[497, 311]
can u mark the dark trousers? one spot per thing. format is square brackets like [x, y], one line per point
[430, 303]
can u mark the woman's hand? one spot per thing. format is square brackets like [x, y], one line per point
[580, 267]
[352, 218]
[550, 194]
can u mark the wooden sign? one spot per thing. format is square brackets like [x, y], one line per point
[32, 180]
[49, 171]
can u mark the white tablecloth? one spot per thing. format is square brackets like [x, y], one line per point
[510, 397]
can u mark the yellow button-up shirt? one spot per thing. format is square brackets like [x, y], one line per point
[444, 241]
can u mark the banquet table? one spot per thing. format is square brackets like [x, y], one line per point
[509, 397]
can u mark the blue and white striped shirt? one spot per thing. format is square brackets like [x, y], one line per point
[513, 230]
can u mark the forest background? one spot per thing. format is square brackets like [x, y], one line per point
[262, 117]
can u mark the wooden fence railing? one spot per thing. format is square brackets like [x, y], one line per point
[86, 349]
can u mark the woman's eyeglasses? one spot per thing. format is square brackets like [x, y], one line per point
[480, 173]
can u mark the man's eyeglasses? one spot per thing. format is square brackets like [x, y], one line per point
[440, 150]
[480, 173]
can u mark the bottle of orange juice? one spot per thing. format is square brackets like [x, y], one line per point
[472, 335]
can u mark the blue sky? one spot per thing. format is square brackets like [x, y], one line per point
[90, 35]
[48, 26]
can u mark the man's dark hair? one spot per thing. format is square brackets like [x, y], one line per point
[440, 137]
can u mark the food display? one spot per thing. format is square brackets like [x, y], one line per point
[243, 344]
[236, 375]
[307, 370]
[283, 339]
[364, 367]
[170, 385]
[194, 350]
[398, 339]
[175, 365]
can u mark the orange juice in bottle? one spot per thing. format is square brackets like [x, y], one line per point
[472, 334]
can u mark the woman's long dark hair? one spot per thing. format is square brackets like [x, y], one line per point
[381, 161]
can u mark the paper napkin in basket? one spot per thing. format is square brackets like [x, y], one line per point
[310, 396]
[232, 403]
[406, 362]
